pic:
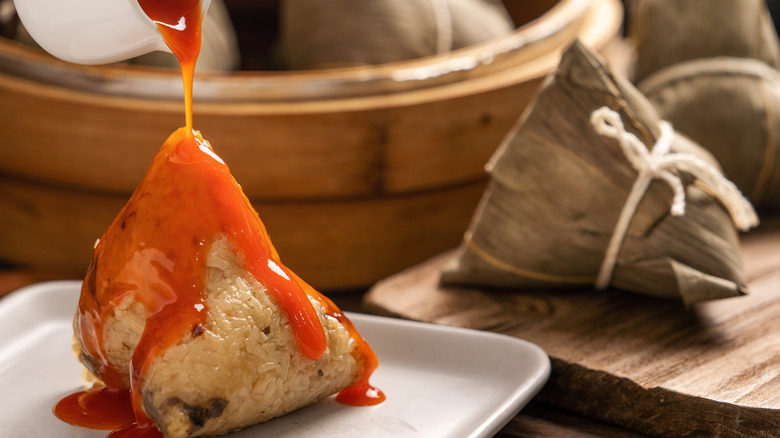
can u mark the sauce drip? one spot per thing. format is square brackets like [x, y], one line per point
[179, 23]
[112, 407]
[361, 393]
[156, 249]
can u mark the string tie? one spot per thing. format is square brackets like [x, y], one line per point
[660, 164]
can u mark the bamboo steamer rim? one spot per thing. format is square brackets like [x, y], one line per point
[527, 53]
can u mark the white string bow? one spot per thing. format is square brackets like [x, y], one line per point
[658, 164]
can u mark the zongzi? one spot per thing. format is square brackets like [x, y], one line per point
[317, 34]
[187, 306]
[666, 32]
[731, 106]
[577, 165]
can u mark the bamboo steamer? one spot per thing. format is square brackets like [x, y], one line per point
[357, 173]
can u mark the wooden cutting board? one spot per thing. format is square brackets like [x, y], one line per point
[646, 364]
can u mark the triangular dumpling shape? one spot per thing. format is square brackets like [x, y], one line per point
[187, 305]
[558, 187]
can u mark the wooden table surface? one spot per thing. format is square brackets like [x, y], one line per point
[647, 364]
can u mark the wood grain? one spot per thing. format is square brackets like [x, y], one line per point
[536, 420]
[321, 150]
[339, 244]
[645, 364]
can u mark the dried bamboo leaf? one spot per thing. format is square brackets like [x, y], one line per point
[731, 106]
[667, 32]
[697, 286]
[557, 189]
[334, 33]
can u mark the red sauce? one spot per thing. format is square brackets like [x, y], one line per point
[179, 23]
[113, 406]
[156, 249]
[361, 393]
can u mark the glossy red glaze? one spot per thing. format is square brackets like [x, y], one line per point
[156, 249]
[97, 408]
[179, 23]
[361, 393]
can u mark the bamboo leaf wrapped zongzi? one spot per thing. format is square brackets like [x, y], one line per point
[667, 32]
[565, 176]
[335, 33]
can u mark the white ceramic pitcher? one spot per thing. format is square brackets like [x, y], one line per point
[92, 31]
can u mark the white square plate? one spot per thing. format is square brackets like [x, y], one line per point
[440, 381]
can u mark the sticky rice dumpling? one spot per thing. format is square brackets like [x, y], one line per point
[731, 106]
[338, 33]
[559, 187]
[187, 306]
[710, 68]
[667, 32]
